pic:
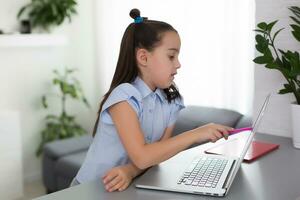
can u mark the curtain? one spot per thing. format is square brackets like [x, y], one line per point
[216, 46]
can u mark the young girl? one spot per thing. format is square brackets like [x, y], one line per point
[137, 114]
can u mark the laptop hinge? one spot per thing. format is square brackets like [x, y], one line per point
[227, 180]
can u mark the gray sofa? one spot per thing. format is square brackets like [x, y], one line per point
[62, 159]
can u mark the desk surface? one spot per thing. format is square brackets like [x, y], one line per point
[274, 176]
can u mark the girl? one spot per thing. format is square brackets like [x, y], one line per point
[137, 114]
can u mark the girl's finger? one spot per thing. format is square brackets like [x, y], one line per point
[224, 132]
[218, 134]
[213, 138]
[113, 182]
[228, 128]
[221, 127]
[225, 135]
[123, 187]
[117, 186]
[110, 176]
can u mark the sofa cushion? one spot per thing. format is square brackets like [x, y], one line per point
[244, 122]
[49, 177]
[68, 166]
[195, 116]
[57, 149]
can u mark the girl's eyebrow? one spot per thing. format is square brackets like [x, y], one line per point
[173, 49]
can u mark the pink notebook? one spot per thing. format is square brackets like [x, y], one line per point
[235, 146]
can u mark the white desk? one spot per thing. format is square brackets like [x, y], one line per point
[275, 176]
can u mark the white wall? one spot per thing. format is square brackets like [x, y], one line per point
[277, 119]
[25, 74]
[11, 170]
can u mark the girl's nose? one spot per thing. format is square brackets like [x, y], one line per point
[178, 65]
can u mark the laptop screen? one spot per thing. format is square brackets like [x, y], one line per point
[246, 137]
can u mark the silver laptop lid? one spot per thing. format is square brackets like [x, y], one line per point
[249, 135]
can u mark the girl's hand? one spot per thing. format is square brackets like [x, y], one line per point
[118, 178]
[211, 132]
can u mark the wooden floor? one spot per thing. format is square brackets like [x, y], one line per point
[32, 190]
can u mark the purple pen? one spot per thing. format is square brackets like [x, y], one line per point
[235, 131]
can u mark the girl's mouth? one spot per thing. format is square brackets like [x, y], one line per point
[173, 76]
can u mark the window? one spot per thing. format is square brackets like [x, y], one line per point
[217, 46]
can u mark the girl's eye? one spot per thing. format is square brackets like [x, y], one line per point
[171, 57]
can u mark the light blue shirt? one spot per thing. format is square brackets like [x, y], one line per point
[154, 112]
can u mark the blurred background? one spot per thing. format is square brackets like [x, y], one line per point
[216, 56]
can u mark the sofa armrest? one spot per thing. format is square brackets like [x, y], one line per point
[194, 116]
[244, 121]
[59, 148]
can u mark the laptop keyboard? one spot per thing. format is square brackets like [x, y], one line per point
[203, 172]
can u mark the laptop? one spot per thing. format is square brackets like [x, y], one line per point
[203, 174]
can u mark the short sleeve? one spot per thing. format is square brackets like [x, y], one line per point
[176, 106]
[124, 92]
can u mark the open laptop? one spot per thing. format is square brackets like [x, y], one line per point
[202, 173]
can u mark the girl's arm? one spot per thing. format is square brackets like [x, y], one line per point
[168, 133]
[119, 178]
[134, 170]
[146, 155]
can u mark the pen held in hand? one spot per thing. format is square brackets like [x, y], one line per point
[238, 130]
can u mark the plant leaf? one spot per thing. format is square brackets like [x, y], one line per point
[44, 101]
[295, 65]
[85, 101]
[64, 125]
[295, 27]
[295, 10]
[262, 25]
[270, 25]
[21, 11]
[51, 117]
[272, 65]
[46, 13]
[268, 55]
[70, 71]
[286, 64]
[284, 91]
[54, 9]
[276, 33]
[261, 60]
[56, 81]
[259, 38]
[296, 35]
[296, 31]
[262, 43]
[295, 19]
[260, 31]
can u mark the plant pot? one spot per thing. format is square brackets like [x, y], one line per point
[25, 26]
[295, 112]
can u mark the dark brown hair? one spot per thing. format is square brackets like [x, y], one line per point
[146, 34]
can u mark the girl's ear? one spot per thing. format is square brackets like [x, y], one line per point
[141, 56]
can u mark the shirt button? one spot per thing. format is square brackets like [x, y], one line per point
[150, 110]
[148, 139]
[153, 95]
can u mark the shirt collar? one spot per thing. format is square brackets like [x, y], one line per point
[145, 90]
[161, 94]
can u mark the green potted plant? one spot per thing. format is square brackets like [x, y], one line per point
[285, 61]
[63, 125]
[48, 13]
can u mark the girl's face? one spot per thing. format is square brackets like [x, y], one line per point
[162, 63]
